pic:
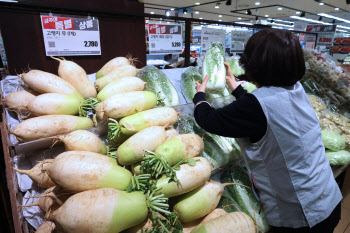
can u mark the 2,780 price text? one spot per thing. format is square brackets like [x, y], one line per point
[90, 43]
[175, 44]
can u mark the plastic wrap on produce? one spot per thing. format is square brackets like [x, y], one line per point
[33, 214]
[326, 80]
[174, 76]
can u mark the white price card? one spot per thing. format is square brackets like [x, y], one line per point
[239, 39]
[212, 35]
[165, 38]
[70, 36]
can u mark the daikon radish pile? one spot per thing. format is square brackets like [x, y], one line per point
[46, 227]
[189, 226]
[132, 124]
[171, 152]
[51, 199]
[199, 202]
[83, 140]
[38, 174]
[117, 73]
[105, 210]
[111, 65]
[81, 171]
[132, 150]
[19, 100]
[122, 85]
[232, 222]
[54, 104]
[50, 125]
[190, 178]
[145, 225]
[125, 104]
[214, 214]
[77, 77]
[45, 82]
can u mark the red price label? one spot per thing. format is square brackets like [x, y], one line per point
[325, 40]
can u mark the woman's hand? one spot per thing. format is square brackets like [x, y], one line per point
[201, 87]
[230, 79]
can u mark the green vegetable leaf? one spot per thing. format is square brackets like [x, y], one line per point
[191, 162]
[88, 105]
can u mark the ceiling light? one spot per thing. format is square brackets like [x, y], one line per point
[257, 3]
[302, 14]
[160, 19]
[151, 12]
[228, 2]
[337, 8]
[167, 13]
[338, 30]
[167, 22]
[239, 18]
[220, 16]
[339, 26]
[321, 3]
[197, 12]
[309, 20]
[185, 11]
[334, 17]
[220, 20]
[245, 23]
[279, 8]
[266, 16]
[298, 12]
[249, 12]
[200, 18]
[217, 5]
[197, 3]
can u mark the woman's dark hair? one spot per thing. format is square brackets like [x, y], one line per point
[273, 58]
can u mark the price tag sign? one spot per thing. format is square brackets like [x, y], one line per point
[239, 40]
[325, 38]
[70, 36]
[165, 38]
[212, 35]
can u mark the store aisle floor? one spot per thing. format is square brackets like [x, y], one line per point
[344, 224]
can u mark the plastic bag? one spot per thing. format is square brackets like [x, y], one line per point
[338, 158]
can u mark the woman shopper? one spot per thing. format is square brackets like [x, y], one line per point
[279, 134]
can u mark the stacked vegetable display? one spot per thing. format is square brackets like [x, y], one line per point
[126, 185]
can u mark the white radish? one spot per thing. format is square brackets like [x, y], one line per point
[232, 222]
[190, 178]
[77, 77]
[38, 174]
[54, 104]
[50, 125]
[117, 73]
[81, 171]
[199, 202]
[125, 104]
[132, 150]
[45, 82]
[122, 85]
[83, 140]
[19, 100]
[111, 65]
[214, 214]
[101, 211]
[132, 124]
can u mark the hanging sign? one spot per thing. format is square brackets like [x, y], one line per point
[212, 35]
[309, 41]
[165, 38]
[239, 39]
[70, 36]
[325, 33]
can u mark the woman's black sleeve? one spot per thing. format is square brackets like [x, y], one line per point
[242, 118]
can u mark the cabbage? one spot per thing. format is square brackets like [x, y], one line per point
[338, 158]
[332, 140]
[213, 65]
[188, 83]
[235, 67]
[249, 87]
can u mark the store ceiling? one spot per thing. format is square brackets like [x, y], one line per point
[267, 9]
